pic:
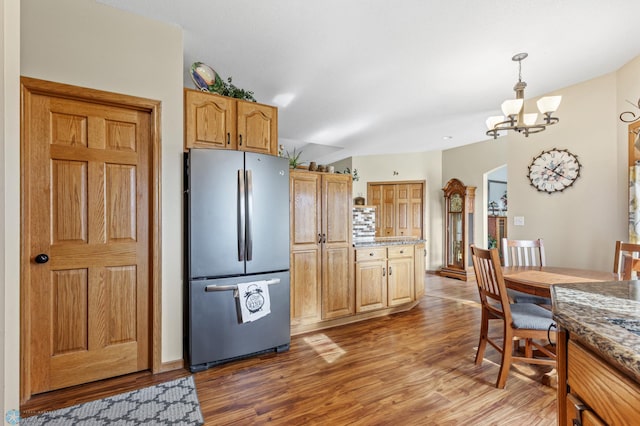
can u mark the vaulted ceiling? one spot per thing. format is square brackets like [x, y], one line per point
[379, 76]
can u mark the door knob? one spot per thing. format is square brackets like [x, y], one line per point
[41, 258]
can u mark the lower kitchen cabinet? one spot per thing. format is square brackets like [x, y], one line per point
[384, 280]
[306, 286]
[400, 275]
[371, 279]
[597, 393]
[384, 277]
[337, 282]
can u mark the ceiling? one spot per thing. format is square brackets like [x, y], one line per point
[380, 76]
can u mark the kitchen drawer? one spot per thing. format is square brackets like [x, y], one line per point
[371, 253]
[400, 251]
[609, 393]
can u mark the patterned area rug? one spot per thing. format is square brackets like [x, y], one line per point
[170, 403]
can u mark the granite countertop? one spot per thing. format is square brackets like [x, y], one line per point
[386, 241]
[605, 316]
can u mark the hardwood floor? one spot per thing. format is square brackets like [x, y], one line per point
[413, 368]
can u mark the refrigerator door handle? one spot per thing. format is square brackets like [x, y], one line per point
[241, 214]
[249, 215]
[234, 287]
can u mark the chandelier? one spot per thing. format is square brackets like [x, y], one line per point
[513, 109]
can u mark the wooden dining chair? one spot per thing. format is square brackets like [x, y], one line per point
[521, 321]
[627, 260]
[524, 253]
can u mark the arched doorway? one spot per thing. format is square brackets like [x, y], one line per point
[495, 206]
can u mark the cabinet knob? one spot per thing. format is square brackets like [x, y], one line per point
[401, 251]
[41, 258]
[371, 254]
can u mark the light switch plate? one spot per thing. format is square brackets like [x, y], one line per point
[518, 220]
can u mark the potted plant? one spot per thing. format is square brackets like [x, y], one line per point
[229, 89]
[294, 159]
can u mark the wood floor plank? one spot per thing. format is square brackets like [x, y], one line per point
[415, 367]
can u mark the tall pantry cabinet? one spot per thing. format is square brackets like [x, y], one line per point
[321, 252]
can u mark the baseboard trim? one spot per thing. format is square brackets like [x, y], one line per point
[297, 329]
[171, 365]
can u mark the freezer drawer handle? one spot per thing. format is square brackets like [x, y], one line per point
[234, 288]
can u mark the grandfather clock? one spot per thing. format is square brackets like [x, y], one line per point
[458, 227]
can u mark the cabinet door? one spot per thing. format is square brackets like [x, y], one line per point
[400, 280]
[305, 287]
[337, 263]
[590, 419]
[388, 217]
[408, 210]
[612, 395]
[305, 247]
[578, 413]
[305, 217]
[337, 288]
[371, 285]
[209, 120]
[374, 196]
[336, 213]
[416, 191]
[257, 127]
[402, 210]
[419, 266]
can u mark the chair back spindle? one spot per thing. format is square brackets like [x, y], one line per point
[490, 281]
[523, 252]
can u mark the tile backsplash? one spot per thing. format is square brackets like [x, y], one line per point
[364, 223]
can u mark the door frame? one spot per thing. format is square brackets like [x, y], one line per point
[153, 108]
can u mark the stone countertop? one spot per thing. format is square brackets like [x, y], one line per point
[387, 241]
[605, 316]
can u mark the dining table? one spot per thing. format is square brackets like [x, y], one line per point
[537, 280]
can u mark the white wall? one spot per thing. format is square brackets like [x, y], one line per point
[469, 163]
[84, 43]
[580, 225]
[9, 205]
[425, 166]
[342, 165]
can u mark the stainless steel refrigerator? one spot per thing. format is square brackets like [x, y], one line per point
[236, 231]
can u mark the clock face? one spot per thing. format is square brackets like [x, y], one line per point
[455, 204]
[554, 170]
